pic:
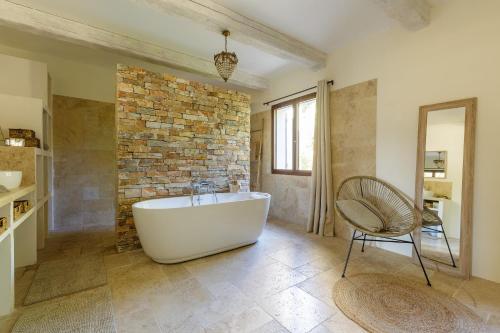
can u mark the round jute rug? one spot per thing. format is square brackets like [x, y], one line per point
[384, 303]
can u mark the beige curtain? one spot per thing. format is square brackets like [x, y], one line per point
[321, 204]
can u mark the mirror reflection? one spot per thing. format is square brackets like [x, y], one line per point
[435, 164]
[442, 192]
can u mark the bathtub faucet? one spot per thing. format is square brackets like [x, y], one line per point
[196, 187]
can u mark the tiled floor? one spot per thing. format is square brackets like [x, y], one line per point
[436, 249]
[283, 283]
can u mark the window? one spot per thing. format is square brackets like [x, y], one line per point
[293, 135]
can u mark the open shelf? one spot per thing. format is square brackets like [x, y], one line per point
[6, 275]
[26, 103]
[18, 244]
[4, 235]
[23, 218]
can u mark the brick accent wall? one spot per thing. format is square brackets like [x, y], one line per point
[171, 131]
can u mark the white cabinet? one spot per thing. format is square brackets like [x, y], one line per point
[17, 243]
[438, 206]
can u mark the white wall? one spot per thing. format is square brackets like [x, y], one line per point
[21, 77]
[284, 83]
[456, 57]
[73, 78]
[78, 71]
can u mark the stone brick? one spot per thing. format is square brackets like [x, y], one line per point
[170, 130]
[132, 193]
[148, 192]
[153, 124]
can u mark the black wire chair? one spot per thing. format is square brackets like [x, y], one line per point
[378, 209]
[432, 223]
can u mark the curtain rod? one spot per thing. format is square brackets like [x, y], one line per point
[295, 93]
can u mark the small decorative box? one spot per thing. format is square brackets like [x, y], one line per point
[32, 142]
[21, 133]
[21, 207]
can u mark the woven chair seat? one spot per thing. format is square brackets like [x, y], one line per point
[376, 208]
[429, 218]
[364, 217]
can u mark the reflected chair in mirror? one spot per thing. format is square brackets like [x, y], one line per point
[432, 224]
[377, 209]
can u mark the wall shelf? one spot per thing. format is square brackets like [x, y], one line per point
[8, 197]
[23, 218]
[18, 244]
[4, 235]
[26, 102]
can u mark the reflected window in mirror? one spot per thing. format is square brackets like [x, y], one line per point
[435, 164]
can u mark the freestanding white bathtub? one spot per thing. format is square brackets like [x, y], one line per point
[173, 230]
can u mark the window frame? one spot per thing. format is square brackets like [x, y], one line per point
[294, 103]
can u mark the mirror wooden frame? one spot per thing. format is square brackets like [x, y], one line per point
[470, 105]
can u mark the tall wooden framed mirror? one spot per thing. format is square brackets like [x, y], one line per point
[444, 185]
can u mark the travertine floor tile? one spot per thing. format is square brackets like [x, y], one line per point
[296, 310]
[137, 321]
[295, 256]
[138, 256]
[271, 327]
[440, 281]
[480, 295]
[365, 264]
[340, 323]
[24, 278]
[246, 321]
[249, 258]
[178, 307]
[131, 285]
[319, 265]
[215, 270]
[228, 302]
[321, 285]
[387, 261]
[268, 280]
[116, 260]
[270, 243]
[176, 273]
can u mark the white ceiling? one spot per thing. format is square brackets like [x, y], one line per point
[324, 24]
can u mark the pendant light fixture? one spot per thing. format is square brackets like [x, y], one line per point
[225, 62]
[439, 162]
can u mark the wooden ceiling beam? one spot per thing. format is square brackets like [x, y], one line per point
[48, 25]
[218, 18]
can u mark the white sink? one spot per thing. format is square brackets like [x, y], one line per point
[11, 179]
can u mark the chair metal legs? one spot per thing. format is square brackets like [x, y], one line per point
[432, 230]
[362, 238]
[420, 260]
[349, 253]
[449, 250]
